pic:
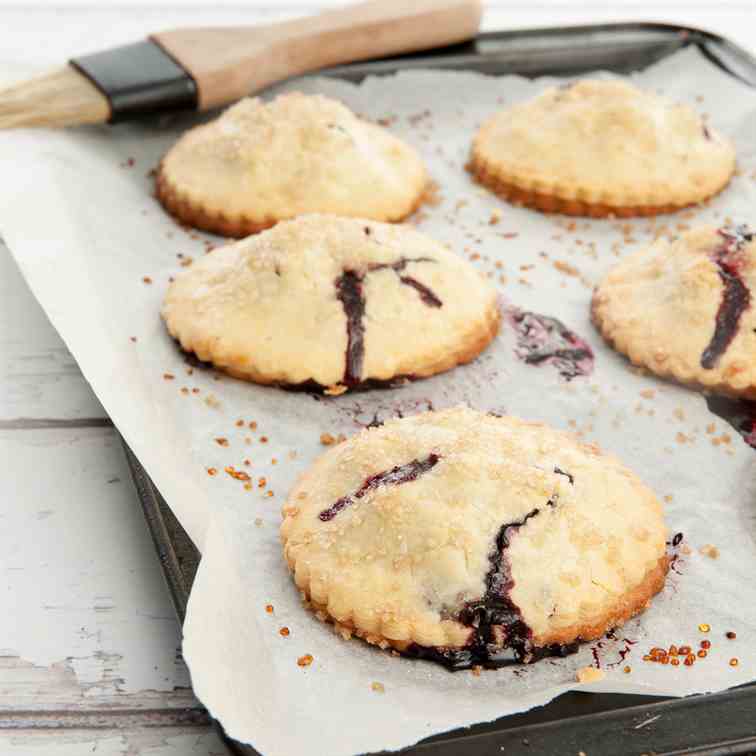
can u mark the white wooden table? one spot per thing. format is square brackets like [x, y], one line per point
[89, 645]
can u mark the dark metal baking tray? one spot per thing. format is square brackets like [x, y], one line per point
[709, 725]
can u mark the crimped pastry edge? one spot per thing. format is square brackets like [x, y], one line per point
[642, 354]
[192, 213]
[632, 603]
[475, 341]
[574, 201]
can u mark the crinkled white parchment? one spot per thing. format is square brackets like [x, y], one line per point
[77, 211]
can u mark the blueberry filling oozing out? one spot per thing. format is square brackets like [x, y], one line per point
[739, 413]
[736, 298]
[426, 293]
[393, 477]
[350, 293]
[399, 265]
[499, 634]
[545, 340]
[567, 475]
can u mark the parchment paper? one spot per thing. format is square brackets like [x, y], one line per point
[77, 212]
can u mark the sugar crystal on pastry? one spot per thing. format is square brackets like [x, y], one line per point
[262, 162]
[601, 148]
[683, 308]
[332, 302]
[473, 539]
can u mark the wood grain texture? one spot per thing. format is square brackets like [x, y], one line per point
[38, 376]
[90, 646]
[91, 638]
[228, 63]
[42, 34]
[132, 740]
[88, 643]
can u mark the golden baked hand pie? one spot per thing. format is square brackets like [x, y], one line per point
[473, 539]
[332, 302]
[600, 148]
[683, 309]
[262, 162]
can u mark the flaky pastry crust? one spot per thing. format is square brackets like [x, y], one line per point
[665, 306]
[396, 533]
[333, 302]
[601, 148]
[263, 162]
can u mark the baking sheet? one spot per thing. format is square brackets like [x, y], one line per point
[78, 214]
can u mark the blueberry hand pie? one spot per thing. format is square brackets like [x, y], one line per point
[262, 162]
[599, 148]
[332, 302]
[683, 309]
[473, 539]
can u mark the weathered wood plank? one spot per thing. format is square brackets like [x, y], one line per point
[87, 614]
[128, 741]
[38, 375]
[88, 658]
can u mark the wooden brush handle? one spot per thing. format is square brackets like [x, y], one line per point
[230, 63]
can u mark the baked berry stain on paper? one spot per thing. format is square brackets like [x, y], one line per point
[739, 413]
[543, 340]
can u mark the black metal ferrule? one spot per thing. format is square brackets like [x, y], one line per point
[139, 79]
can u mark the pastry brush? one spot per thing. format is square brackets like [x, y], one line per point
[204, 68]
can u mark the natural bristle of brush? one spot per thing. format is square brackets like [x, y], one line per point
[61, 98]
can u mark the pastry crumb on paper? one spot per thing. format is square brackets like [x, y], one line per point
[243, 670]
